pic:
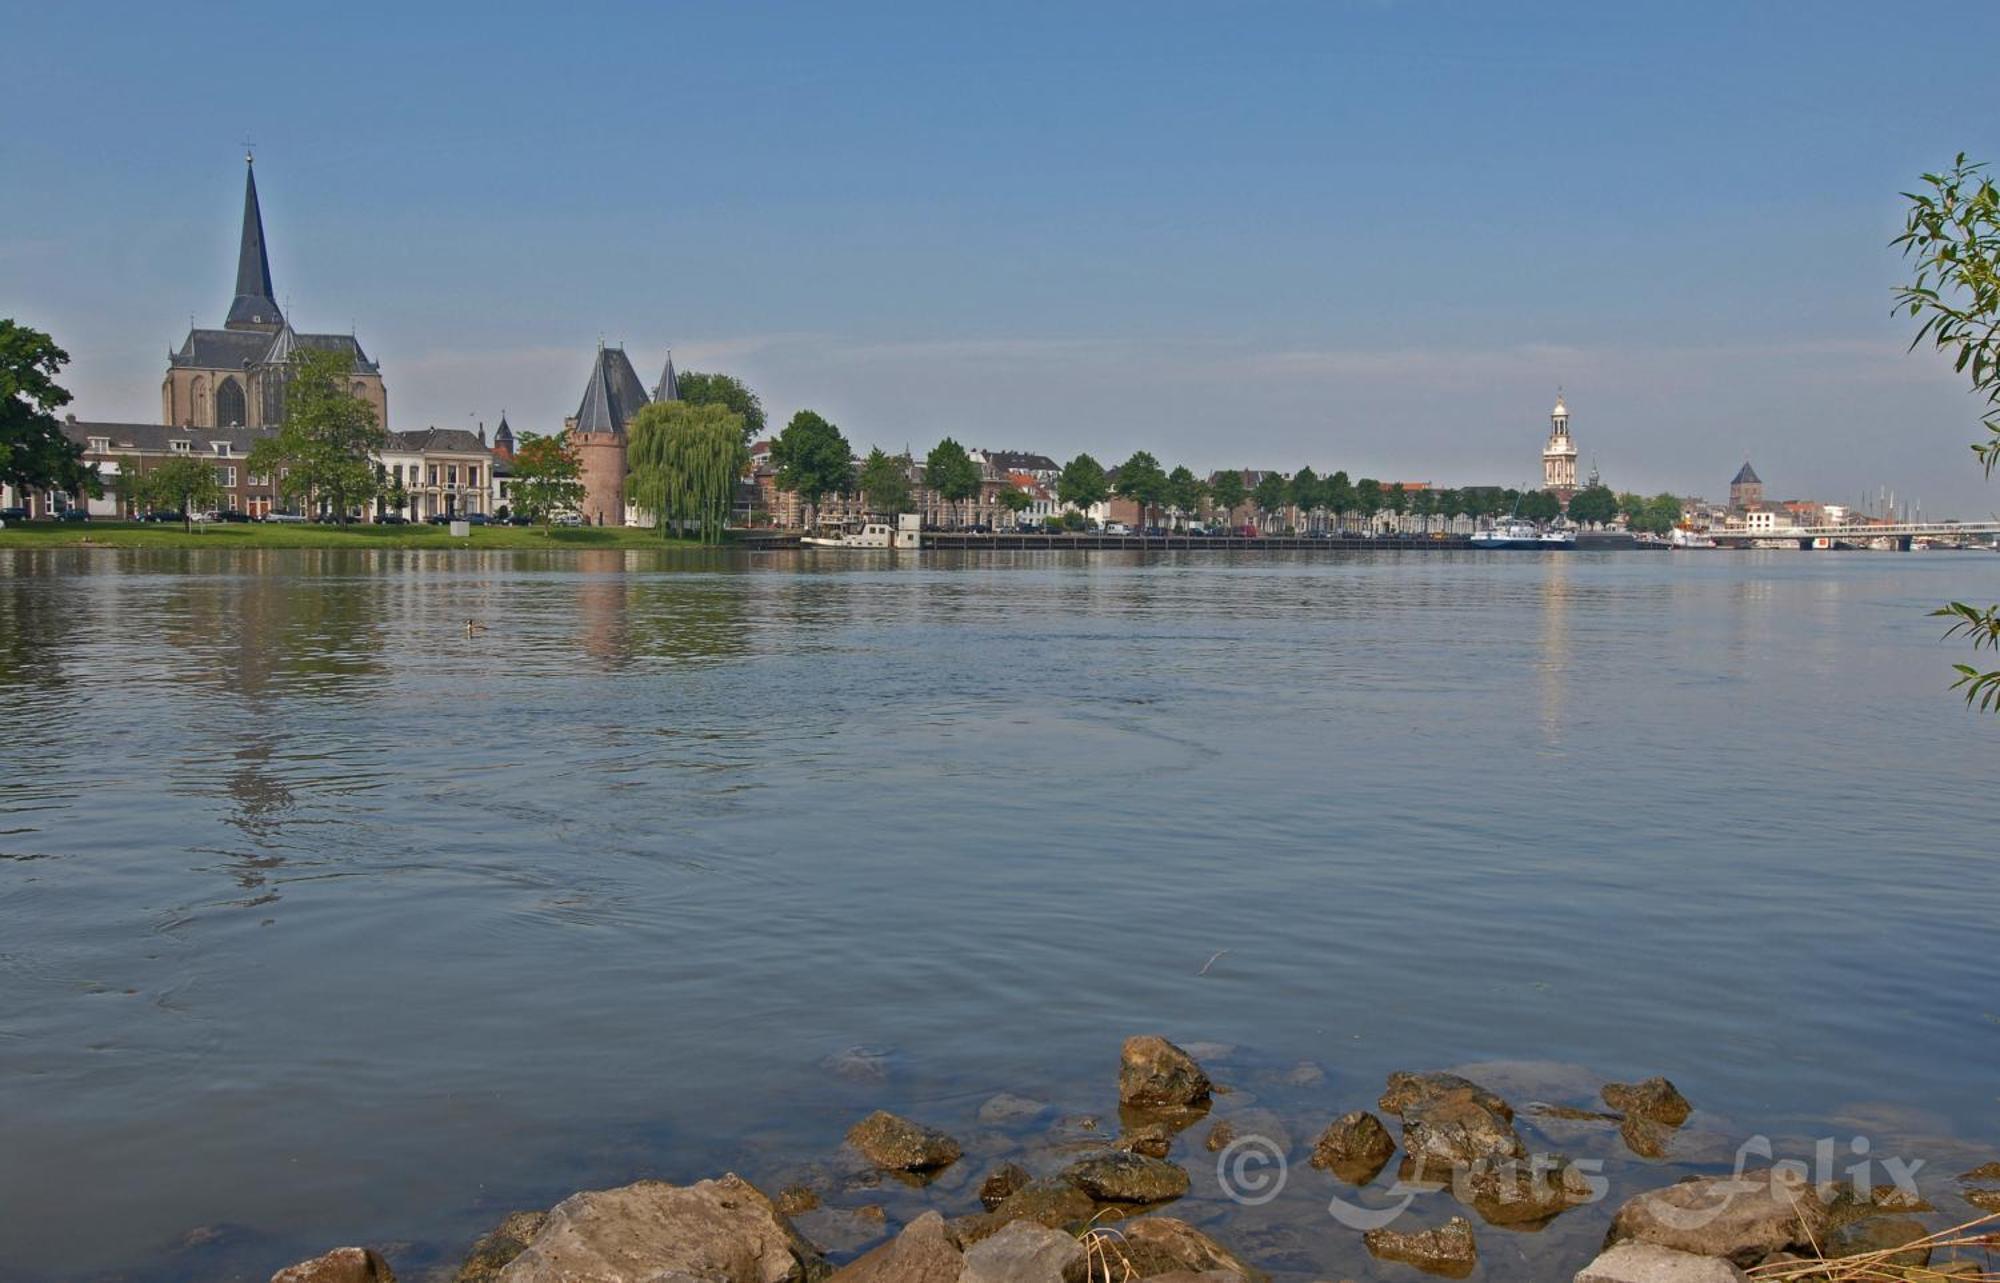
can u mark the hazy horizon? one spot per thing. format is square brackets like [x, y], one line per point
[1371, 236]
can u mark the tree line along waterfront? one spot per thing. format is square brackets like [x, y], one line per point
[691, 472]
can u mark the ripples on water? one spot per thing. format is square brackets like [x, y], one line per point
[323, 919]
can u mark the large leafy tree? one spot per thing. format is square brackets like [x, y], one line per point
[1593, 506]
[950, 472]
[885, 481]
[34, 453]
[685, 461]
[1952, 235]
[324, 452]
[1306, 492]
[1144, 482]
[1339, 497]
[1656, 515]
[187, 486]
[1227, 493]
[727, 391]
[1540, 505]
[1269, 496]
[1185, 492]
[1082, 483]
[1368, 500]
[813, 459]
[547, 476]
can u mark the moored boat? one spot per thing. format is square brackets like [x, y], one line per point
[1518, 533]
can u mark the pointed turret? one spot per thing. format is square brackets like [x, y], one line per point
[503, 438]
[613, 395]
[255, 307]
[669, 386]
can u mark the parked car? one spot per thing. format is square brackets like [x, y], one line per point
[284, 518]
[13, 514]
[79, 514]
[1117, 528]
[234, 516]
[477, 519]
[568, 519]
[439, 519]
[519, 520]
[158, 516]
[392, 519]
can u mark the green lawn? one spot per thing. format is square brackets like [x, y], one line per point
[119, 534]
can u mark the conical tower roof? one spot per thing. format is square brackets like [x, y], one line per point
[613, 395]
[669, 386]
[1747, 476]
[254, 307]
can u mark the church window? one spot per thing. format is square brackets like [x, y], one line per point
[229, 404]
[198, 395]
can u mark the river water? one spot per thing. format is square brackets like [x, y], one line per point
[325, 917]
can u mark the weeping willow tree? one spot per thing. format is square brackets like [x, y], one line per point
[685, 462]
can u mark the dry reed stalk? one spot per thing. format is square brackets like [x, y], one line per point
[1874, 1267]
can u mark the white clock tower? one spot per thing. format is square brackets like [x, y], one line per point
[1559, 455]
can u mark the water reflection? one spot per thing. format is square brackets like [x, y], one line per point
[594, 886]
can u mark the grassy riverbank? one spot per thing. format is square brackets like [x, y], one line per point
[115, 534]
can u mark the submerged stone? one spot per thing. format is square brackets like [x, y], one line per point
[1153, 1072]
[1449, 1250]
[896, 1144]
[1122, 1177]
[1655, 1099]
[1355, 1147]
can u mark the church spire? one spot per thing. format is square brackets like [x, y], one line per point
[254, 307]
[669, 386]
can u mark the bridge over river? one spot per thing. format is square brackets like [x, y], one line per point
[1902, 534]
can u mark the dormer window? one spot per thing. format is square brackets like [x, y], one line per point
[181, 447]
[221, 449]
[100, 445]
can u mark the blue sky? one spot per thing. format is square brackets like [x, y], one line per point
[1365, 235]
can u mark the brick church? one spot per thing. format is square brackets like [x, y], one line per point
[235, 377]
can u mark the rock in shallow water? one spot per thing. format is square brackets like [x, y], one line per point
[1655, 1099]
[1355, 1147]
[1157, 1246]
[492, 1252]
[1024, 1252]
[1449, 1250]
[923, 1253]
[1406, 1089]
[341, 1265]
[1001, 1183]
[1743, 1218]
[1154, 1140]
[1451, 1123]
[1152, 1072]
[1123, 1177]
[899, 1145]
[723, 1231]
[1647, 1263]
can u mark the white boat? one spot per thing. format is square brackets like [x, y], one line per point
[905, 534]
[1517, 532]
[1686, 537]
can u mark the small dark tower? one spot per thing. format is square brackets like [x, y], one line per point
[1747, 490]
[503, 438]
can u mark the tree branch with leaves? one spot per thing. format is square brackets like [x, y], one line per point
[1952, 236]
